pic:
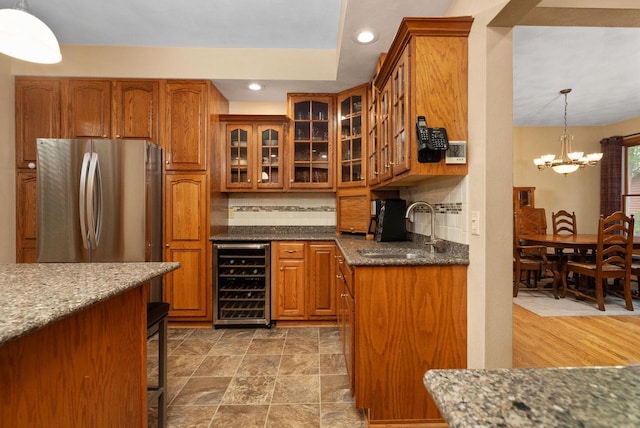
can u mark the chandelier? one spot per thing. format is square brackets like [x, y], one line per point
[569, 161]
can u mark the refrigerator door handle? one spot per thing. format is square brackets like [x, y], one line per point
[94, 199]
[82, 199]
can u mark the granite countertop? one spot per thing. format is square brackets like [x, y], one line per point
[352, 246]
[538, 397]
[37, 294]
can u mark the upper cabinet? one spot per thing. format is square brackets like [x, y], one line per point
[352, 133]
[424, 74]
[37, 115]
[135, 110]
[184, 136]
[86, 111]
[253, 152]
[311, 137]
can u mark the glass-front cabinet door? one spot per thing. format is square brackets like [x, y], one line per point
[270, 146]
[238, 148]
[384, 134]
[400, 109]
[373, 150]
[311, 151]
[351, 132]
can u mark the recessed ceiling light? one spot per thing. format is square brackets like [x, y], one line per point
[255, 86]
[365, 36]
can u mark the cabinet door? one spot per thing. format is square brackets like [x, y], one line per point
[311, 150]
[135, 109]
[186, 228]
[400, 116]
[26, 217]
[290, 289]
[270, 143]
[373, 149]
[351, 153]
[87, 108]
[354, 211]
[321, 293]
[185, 124]
[240, 146]
[37, 116]
[384, 134]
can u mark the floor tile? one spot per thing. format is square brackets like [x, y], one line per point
[225, 346]
[259, 365]
[205, 390]
[340, 415]
[266, 346]
[219, 365]
[301, 345]
[194, 346]
[300, 364]
[294, 416]
[297, 389]
[183, 365]
[190, 416]
[332, 364]
[335, 389]
[249, 390]
[240, 416]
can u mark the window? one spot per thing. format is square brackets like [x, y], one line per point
[631, 189]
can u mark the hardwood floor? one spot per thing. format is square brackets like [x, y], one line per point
[575, 341]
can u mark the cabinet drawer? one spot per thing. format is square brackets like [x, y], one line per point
[291, 250]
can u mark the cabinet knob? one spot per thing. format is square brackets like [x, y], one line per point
[118, 136]
[343, 295]
[259, 181]
[339, 276]
[392, 163]
[291, 180]
[375, 173]
[249, 181]
[351, 229]
[166, 245]
[104, 135]
[281, 268]
[291, 251]
[167, 161]
[31, 165]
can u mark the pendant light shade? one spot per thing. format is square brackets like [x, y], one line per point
[25, 37]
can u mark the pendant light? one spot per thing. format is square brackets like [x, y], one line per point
[25, 37]
[569, 161]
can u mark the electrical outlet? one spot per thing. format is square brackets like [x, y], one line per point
[475, 223]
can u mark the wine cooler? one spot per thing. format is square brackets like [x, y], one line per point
[242, 286]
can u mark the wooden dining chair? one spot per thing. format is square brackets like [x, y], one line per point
[531, 259]
[612, 259]
[564, 223]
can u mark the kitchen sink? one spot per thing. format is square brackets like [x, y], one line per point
[393, 255]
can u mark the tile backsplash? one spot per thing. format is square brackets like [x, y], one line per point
[282, 209]
[448, 196]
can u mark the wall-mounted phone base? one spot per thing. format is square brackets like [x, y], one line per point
[429, 156]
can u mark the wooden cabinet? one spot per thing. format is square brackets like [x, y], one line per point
[136, 110]
[311, 149]
[352, 133]
[303, 283]
[523, 197]
[321, 294]
[186, 229]
[254, 152]
[26, 217]
[86, 111]
[37, 116]
[408, 319]
[424, 73]
[373, 140]
[289, 270]
[353, 210]
[184, 136]
[346, 316]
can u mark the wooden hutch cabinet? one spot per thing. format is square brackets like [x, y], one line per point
[311, 137]
[352, 133]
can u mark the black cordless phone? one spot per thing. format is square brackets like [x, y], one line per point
[431, 141]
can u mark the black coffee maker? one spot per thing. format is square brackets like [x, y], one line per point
[389, 219]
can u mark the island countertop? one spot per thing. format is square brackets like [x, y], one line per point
[37, 294]
[538, 397]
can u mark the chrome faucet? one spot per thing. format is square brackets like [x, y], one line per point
[437, 244]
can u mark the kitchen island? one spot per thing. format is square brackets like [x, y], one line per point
[73, 343]
[538, 397]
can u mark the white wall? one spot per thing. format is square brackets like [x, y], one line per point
[7, 164]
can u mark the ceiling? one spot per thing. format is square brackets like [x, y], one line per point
[601, 65]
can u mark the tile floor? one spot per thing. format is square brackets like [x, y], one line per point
[256, 377]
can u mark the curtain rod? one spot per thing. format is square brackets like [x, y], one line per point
[630, 135]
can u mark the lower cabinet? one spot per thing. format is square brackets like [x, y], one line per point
[396, 323]
[26, 217]
[346, 316]
[303, 282]
[186, 225]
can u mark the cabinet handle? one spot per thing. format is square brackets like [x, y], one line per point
[392, 163]
[291, 251]
[375, 173]
[343, 295]
[104, 135]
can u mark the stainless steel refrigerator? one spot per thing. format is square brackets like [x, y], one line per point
[100, 201]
